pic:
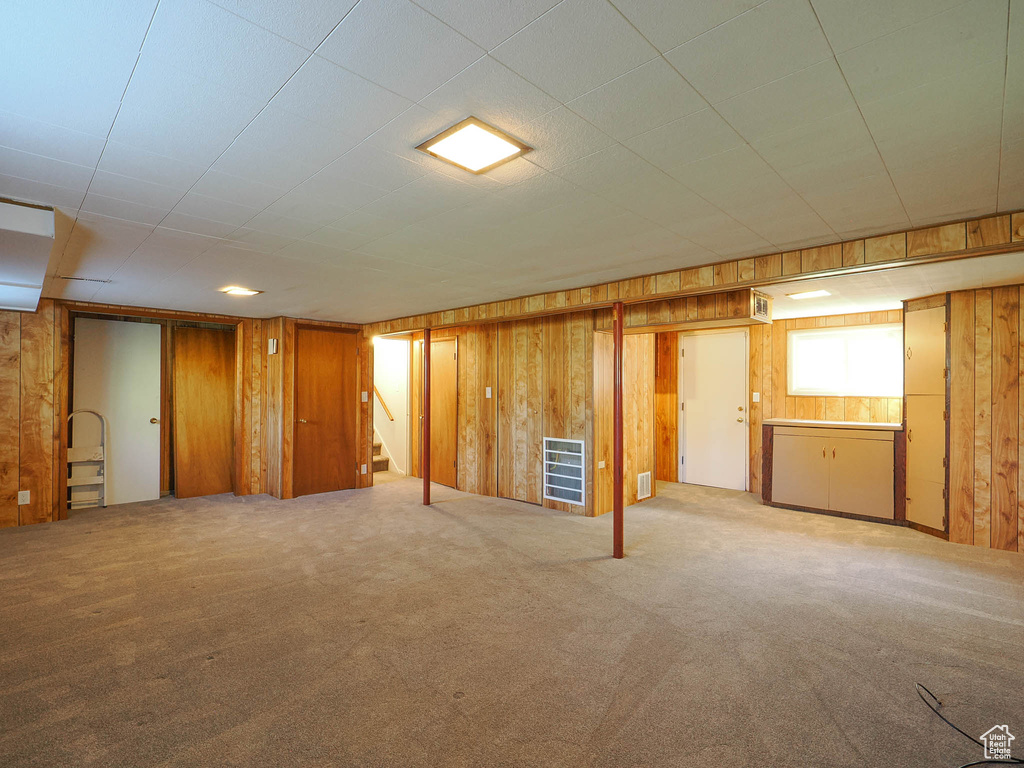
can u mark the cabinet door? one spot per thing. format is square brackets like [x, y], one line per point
[860, 478]
[924, 347]
[800, 471]
[926, 448]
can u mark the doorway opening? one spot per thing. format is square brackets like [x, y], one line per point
[392, 371]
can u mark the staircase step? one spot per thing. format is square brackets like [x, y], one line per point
[377, 449]
[381, 464]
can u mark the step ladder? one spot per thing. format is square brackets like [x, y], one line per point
[94, 456]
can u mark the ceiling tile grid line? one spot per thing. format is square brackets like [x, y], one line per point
[830, 231]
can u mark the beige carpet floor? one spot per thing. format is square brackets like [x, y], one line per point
[361, 629]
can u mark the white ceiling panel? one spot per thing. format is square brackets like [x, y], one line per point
[487, 22]
[399, 46]
[123, 209]
[247, 192]
[299, 205]
[131, 161]
[193, 204]
[574, 48]
[686, 140]
[99, 245]
[134, 190]
[306, 24]
[1011, 191]
[749, 51]
[806, 96]
[943, 45]
[15, 188]
[561, 136]
[848, 25]
[197, 224]
[44, 170]
[607, 169]
[668, 25]
[28, 135]
[326, 93]
[641, 100]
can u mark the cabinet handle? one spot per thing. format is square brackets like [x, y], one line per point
[833, 451]
[910, 435]
[823, 452]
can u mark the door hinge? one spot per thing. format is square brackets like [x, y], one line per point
[945, 373]
[945, 327]
[944, 464]
[944, 493]
[682, 406]
[682, 459]
[682, 353]
[945, 415]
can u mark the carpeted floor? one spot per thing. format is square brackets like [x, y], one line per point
[361, 629]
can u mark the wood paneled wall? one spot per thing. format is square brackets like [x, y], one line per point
[33, 363]
[477, 430]
[986, 430]
[666, 406]
[768, 376]
[638, 416]
[545, 389]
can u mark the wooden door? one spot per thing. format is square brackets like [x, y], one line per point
[800, 471]
[926, 450]
[204, 411]
[924, 347]
[860, 477]
[444, 398]
[326, 406]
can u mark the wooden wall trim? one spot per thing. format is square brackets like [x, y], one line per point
[955, 240]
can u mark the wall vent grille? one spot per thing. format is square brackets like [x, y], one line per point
[643, 486]
[565, 474]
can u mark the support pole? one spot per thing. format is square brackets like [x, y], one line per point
[425, 436]
[617, 461]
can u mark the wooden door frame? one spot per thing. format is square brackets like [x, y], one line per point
[65, 353]
[288, 463]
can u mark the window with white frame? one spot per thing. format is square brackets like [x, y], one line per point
[855, 361]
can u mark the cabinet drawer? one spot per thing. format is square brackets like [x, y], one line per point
[924, 340]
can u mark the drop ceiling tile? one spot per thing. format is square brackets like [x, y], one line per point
[848, 25]
[854, 206]
[81, 56]
[747, 51]
[235, 189]
[164, 238]
[363, 223]
[686, 140]
[399, 46]
[44, 169]
[38, 138]
[99, 245]
[492, 92]
[338, 238]
[307, 23]
[126, 160]
[1013, 115]
[668, 25]
[123, 209]
[964, 37]
[325, 93]
[790, 102]
[817, 142]
[607, 169]
[641, 100]
[193, 204]
[134, 190]
[283, 226]
[950, 186]
[197, 225]
[487, 22]
[1011, 173]
[299, 205]
[574, 48]
[208, 42]
[561, 136]
[149, 264]
[338, 189]
[375, 167]
[264, 242]
[27, 191]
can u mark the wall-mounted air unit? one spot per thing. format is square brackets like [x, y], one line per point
[565, 470]
[762, 307]
[643, 486]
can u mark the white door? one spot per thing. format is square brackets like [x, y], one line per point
[713, 419]
[117, 374]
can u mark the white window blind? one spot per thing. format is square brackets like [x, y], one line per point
[856, 361]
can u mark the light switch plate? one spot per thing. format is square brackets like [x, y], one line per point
[488, 393]
[271, 346]
[600, 465]
[366, 396]
[24, 497]
[362, 469]
[756, 397]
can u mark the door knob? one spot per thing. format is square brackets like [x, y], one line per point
[154, 421]
[303, 421]
[740, 419]
[740, 408]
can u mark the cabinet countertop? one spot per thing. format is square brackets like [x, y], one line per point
[885, 427]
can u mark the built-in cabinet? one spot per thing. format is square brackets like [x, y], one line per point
[834, 468]
[925, 393]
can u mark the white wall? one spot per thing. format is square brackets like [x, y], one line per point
[391, 377]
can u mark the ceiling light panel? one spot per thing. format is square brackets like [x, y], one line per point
[235, 290]
[809, 295]
[474, 146]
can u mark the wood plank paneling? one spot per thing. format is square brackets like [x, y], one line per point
[1005, 426]
[983, 418]
[37, 403]
[10, 415]
[885, 248]
[943, 239]
[994, 230]
[666, 406]
[961, 418]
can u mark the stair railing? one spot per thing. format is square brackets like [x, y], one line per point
[383, 404]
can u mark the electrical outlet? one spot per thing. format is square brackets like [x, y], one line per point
[366, 396]
[488, 393]
[600, 465]
[362, 469]
[24, 497]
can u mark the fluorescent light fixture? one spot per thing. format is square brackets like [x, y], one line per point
[234, 290]
[808, 295]
[474, 146]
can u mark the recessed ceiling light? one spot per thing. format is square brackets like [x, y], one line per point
[474, 146]
[808, 295]
[235, 290]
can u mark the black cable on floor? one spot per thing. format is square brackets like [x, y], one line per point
[933, 708]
